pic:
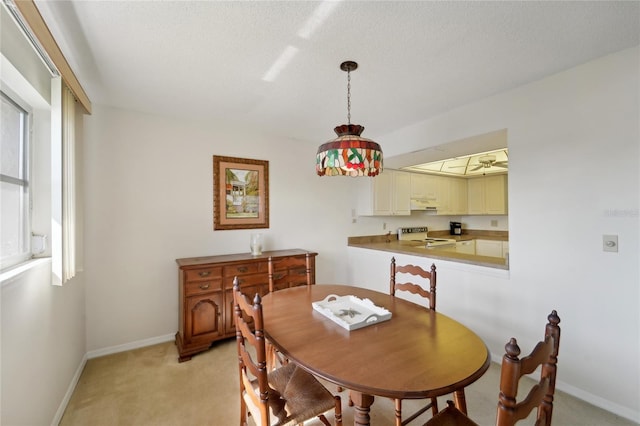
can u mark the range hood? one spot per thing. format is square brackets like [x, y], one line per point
[424, 204]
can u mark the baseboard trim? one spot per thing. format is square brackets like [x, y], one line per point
[599, 402]
[590, 398]
[67, 396]
[129, 346]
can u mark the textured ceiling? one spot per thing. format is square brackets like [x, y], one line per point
[207, 59]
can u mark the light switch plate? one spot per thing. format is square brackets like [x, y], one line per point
[610, 243]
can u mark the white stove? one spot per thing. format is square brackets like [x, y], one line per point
[419, 234]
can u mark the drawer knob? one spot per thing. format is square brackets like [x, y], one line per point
[204, 286]
[243, 269]
[205, 273]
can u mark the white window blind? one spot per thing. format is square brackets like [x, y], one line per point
[68, 185]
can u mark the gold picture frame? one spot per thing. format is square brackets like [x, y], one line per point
[240, 193]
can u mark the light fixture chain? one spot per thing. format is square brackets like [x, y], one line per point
[348, 96]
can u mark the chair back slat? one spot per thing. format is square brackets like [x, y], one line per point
[544, 355]
[411, 273]
[252, 358]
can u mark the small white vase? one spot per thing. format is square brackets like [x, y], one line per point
[256, 244]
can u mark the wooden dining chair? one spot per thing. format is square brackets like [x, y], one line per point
[290, 271]
[540, 396]
[284, 273]
[410, 277]
[284, 396]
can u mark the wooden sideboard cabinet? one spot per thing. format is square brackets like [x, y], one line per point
[206, 297]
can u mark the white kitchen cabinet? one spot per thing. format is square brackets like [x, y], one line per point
[424, 187]
[487, 195]
[490, 248]
[443, 195]
[387, 194]
[457, 203]
[447, 193]
[466, 247]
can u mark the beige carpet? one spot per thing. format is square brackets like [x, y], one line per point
[148, 387]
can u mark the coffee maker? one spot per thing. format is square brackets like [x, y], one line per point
[455, 228]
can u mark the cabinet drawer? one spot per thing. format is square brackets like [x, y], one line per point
[240, 269]
[247, 280]
[203, 273]
[192, 288]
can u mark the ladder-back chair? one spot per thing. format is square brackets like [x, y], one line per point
[410, 278]
[284, 396]
[540, 396]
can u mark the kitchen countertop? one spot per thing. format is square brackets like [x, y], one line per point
[391, 244]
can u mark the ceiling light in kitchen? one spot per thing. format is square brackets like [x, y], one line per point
[349, 154]
[480, 163]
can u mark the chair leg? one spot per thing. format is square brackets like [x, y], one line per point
[434, 406]
[338, 410]
[338, 413]
[460, 400]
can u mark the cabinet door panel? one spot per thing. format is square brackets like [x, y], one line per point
[489, 248]
[402, 193]
[475, 197]
[495, 195]
[424, 187]
[382, 196]
[458, 196]
[204, 317]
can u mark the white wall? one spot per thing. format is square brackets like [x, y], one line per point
[149, 201]
[42, 326]
[573, 176]
[43, 345]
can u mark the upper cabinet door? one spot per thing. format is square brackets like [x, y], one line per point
[458, 196]
[401, 193]
[496, 194]
[487, 195]
[424, 187]
[387, 194]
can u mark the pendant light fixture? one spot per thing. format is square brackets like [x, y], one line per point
[349, 154]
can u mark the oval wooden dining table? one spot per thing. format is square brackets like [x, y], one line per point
[418, 353]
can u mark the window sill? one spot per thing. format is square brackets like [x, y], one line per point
[10, 275]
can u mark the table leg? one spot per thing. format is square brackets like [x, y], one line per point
[460, 400]
[362, 402]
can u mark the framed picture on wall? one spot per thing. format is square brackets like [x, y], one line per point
[240, 193]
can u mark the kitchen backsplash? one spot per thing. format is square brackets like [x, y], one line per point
[376, 225]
